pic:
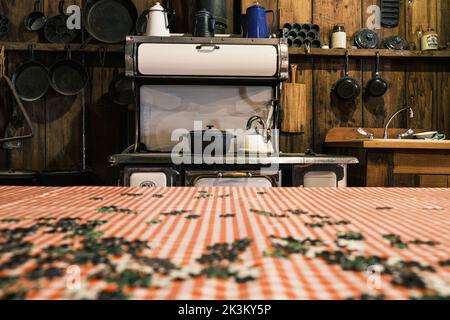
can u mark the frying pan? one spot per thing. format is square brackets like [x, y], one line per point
[347, 88]
[121, 90]
[68, 77]
[4, 24]
[56, 31]
[377, 86]
[110, 21]
[36, 20]
[31, 79]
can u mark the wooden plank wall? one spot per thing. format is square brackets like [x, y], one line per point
[57, 120]
[423, 82]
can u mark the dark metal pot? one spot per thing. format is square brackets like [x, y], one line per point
[204, 24]
[31, 79]
[55, 29]
[206, 137]
[110, 21]
[347, 88]
[219, 9]
[68, 77]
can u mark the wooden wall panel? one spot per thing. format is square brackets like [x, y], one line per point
[329, 111]
[327, 13]
[420, 14]
[377, 110]
[443, 15]
[295, 11]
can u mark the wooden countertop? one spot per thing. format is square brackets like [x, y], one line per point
[350, 138]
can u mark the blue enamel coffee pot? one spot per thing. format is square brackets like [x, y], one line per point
[254, 22]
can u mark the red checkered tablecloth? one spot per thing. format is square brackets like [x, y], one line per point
[223, 215]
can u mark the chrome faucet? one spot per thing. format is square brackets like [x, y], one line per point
[411, 115]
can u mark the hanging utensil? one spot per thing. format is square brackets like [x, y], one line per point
[121, 90]
[16, 97]
[347, 88]
[31, 79]
[377, 86]
[36, 20]
[56, 30]
[110, 21]
[68, 77]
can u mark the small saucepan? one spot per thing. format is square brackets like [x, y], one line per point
[31, 79]
[377, 86]
[347, 88]
[68, 77]
[36, 20]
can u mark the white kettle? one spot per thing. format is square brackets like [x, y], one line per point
[158, 21]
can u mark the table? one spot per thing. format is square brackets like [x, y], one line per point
[224, 243]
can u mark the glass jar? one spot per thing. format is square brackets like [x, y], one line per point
[338, 37]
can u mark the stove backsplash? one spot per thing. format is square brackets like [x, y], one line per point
[165, 108]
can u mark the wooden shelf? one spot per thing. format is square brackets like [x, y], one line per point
[52, 47]
[369, 53]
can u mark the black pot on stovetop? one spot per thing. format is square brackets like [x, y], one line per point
[203, 139]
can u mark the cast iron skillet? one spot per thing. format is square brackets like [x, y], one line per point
[377, 86]
[347, 88]
[31, 79]
[55, 29]
[36, 20]
[68, 77]
[110, 21]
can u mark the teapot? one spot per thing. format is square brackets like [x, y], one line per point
[158, 21]
[254, 22]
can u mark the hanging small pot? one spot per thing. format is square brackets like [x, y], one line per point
[55, 29]
[36, 20]
[377, 86]
[347, 88]
[31, 79]
[68, 77]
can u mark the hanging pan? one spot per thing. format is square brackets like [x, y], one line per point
[68, 77]
[347, 88]
[36, 20]
[56, 31]
[121, 90]
[110, 21]
[377, 86]
[31, 79]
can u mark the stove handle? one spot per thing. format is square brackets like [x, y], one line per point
[212, 46]
[234, 175]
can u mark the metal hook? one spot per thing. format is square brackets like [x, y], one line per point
[102, 55]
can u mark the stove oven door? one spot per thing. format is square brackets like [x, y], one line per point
[232, 178]
[150, 177]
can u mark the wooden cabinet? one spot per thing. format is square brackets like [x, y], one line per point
[391, 163]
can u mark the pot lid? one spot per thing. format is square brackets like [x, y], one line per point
[395, 43]
[367, 39]
[157, 7]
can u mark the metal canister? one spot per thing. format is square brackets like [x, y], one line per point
[338, 37]
[429, 40]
